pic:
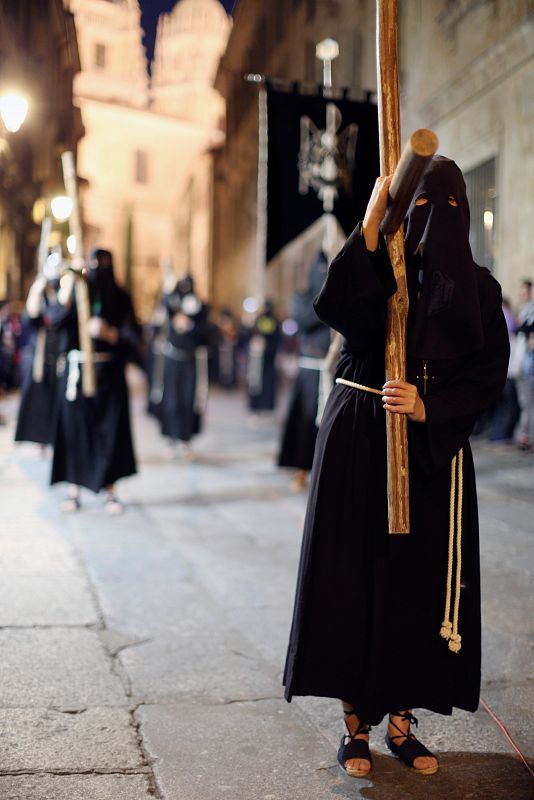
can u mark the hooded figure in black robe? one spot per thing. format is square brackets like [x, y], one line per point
[370, 613]
[39, 385]
[185, 370]
[261, 369]
[300, 429]
[226, 349]
[93, 441]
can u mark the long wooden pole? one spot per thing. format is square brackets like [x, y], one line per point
[389, 132]
[82, 292]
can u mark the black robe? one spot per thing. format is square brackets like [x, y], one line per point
[369, 605]
[180, 412]
[38, 399]
[262, 377]
[300, 428]
[93, 440]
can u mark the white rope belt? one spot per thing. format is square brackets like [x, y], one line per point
[309, 362]
[75, 358]
[359, 386]
[449, 630]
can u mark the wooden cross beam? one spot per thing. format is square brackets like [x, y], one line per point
[387, 61]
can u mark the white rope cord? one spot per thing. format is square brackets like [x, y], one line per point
[449, 630]
[359, 386]
[39, 356]
[446, 625]
[455, 642]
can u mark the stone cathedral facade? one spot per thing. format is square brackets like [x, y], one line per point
[145, 159]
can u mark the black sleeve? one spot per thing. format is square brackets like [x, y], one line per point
[354, 297]
[475, 387]
[129, 344]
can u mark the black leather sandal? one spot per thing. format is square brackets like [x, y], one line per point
[351, 747]
[411, 748]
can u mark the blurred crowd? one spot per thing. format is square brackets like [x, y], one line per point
[185, 349]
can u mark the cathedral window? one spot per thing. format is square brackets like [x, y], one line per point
[100, 55]
[482, 196]
[141, 166]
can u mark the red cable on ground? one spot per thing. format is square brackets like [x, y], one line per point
[496, 719]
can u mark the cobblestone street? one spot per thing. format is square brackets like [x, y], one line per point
[142, 654]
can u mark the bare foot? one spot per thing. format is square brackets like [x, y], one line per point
[357, 767]
[298, 484]
[421, 762]
[71, 504]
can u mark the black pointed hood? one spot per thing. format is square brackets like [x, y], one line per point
[445, 317]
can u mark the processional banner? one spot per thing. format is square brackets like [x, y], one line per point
[322, 156]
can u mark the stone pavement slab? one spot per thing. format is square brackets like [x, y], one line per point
[44, 740]
[35, 600]
[219, 665]
[257, 751]
[65, 668]
[75, 787]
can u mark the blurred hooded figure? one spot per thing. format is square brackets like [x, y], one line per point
[262, 349]
[386, 622]
[227, 343]
[93, 441]
[38, 398]
[185, 367]
[300, 429]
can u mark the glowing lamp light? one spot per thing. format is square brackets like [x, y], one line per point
[289, 327]
[250, 305]
[488, 220]
[71, 244]
[13, 110]
[61, 207]
[327, 50]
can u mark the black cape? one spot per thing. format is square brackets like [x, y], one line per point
[37, 413]
[179, 412]
[300, 427]
[369, 605]
[93, 441]
[262, 376]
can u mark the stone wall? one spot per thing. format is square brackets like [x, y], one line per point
[467, 70]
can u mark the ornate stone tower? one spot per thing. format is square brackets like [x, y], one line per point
[190, 41]
[113, 59]
[146, 154]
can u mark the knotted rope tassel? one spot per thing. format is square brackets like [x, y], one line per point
[449, 630]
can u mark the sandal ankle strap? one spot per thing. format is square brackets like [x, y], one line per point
[362, 726]
[407, 715]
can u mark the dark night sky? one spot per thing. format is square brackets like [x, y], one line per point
[151, 9]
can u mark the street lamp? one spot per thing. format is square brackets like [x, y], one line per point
[61, 207]
[13, 110]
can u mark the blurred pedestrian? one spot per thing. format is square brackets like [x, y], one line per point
[388, 622]
[505, 415]
[93, 442]
[39, 384]
[226, 349]
[185, 366]
[261, 369]
[526, 300]
[524, 360]
[11, 343]
[300, 428]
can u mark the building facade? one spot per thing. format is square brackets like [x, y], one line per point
[38, 58]
[277, 40]
[467, 72]
[145, 155]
